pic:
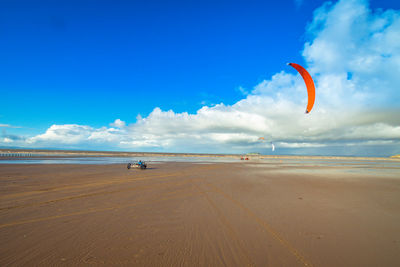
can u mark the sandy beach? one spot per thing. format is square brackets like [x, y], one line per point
[192, 214]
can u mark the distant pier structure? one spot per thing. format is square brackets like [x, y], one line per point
[14, 154]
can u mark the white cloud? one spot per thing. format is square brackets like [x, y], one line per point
[7, 140]
[350, 39]
[8, 126]
[118, 123]
[64, 134]
[243, 90]
[354, 57]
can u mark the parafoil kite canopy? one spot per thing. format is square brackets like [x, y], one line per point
[309, 84]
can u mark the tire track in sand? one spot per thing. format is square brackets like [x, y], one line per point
[99, 193]
[262, 223]
[103, 183]
[81, 186]
[225, 223]
[94, 210]
[121, 181]
[177, 174]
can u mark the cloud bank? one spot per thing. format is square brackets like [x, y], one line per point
[352, 52]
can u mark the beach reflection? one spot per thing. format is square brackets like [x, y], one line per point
[331, 167]
[113, 160]
[285, 164]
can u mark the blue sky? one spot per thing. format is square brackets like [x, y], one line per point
[90, 68]
[85, 62]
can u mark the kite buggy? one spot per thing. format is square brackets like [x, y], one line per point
[137, 165]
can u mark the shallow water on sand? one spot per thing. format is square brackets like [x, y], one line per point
[112, 160]
[291, 165]
[331, 166]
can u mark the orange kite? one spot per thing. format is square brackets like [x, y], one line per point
[309, 83]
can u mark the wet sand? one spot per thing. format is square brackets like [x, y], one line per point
[191, 214]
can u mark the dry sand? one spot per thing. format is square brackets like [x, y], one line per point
[190, 214]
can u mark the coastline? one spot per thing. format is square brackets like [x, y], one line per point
[77, 153]
[191, 214]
